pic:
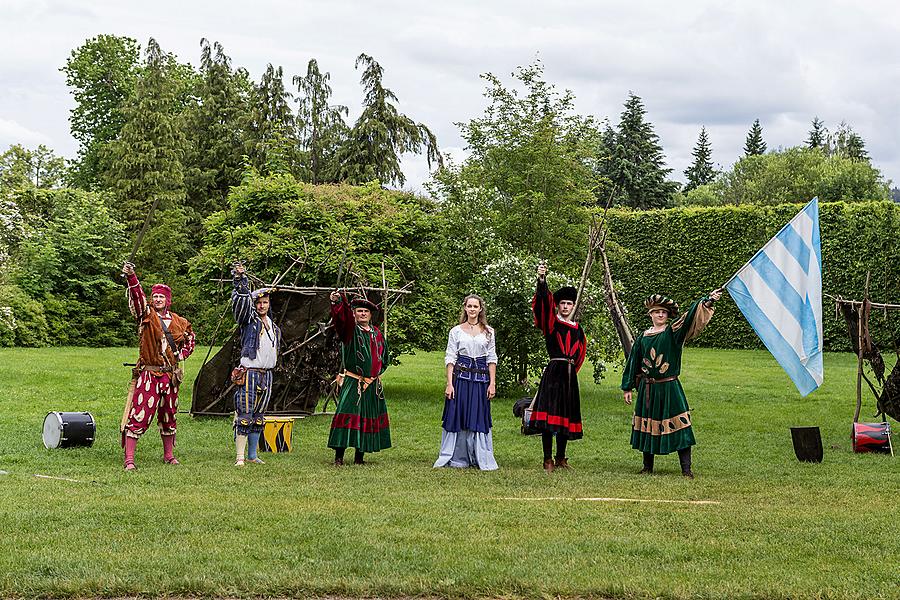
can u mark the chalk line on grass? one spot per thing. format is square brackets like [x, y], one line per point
[659, 501]
[58, 478]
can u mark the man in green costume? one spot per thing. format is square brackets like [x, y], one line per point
[662, 419]
[360, 420]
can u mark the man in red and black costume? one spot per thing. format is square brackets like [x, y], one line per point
[556, 410]
[165, 339]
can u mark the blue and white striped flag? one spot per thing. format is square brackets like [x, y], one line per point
[780, 293]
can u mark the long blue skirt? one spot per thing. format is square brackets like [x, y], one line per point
[470, 409]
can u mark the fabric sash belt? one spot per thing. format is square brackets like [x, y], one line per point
[361, 382]
[650, 381]
[468, 370]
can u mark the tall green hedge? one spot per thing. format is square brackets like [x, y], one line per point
[685, 252]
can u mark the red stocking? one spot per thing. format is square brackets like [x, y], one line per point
[168, 442]
[130, 445]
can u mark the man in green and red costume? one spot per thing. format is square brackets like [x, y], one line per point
[360, 420]
[662, 418]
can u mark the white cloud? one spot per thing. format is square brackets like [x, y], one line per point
[693, 63]
[12, 132]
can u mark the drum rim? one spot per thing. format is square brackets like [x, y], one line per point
[59, 420]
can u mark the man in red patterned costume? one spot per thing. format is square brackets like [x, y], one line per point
[556, 410]
[165, 339]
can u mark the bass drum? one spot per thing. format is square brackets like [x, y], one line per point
[69, 429]
[872, 437]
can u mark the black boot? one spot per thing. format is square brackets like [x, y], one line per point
[358, 458]
[684, 457]
[648, 463]
[339, 456]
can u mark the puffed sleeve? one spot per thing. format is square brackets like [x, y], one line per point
[544, 308]
[694, 321]
[452, 347]
[137, 301]
[241, 304]
[491, 347]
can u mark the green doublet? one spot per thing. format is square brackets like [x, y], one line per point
[662, 419]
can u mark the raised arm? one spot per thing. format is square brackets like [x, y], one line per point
[542, 305]
[695, 319]
[342, 317]
[241, 303]
[137, 300]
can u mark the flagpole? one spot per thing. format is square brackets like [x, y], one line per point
[786, 225]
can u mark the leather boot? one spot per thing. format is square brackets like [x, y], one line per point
[358, 458]
[563, 463]
[648, 464]
[548, 465]
[684, 457]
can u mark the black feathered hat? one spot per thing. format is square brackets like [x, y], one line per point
[659, 301]
[566, 292]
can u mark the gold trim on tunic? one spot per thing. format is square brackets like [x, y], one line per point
[661, 427]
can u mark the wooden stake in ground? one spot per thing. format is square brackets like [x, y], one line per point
[863, 313]
[384, 301]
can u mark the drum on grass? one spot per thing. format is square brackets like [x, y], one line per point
[277, 433]
[872, 437]
[807, 444]
[69, 429]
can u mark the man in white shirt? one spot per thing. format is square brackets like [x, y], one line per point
[260, 341]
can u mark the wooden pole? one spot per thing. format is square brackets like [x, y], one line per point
[384, 301]
[861, 311]
[859, 365]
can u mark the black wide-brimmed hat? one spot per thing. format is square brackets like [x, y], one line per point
[566, 292]
[659, 301]
[363, 303]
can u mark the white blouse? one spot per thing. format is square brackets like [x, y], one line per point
[473, 346]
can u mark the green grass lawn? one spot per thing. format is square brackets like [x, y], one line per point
[299, 526]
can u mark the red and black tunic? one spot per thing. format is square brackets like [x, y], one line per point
[557, 408]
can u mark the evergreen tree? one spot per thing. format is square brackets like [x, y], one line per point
[270, 143]
[754, 144]
[321, 126]
[145, 162]
[637, 164]
[215, 127]
[818, 135]
[701, 170]
[382, 134]
[101, 75]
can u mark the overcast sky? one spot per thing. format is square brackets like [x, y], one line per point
[716, 64]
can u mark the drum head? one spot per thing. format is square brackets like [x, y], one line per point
[53, 427]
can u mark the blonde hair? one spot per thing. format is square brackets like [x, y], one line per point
[482, 313]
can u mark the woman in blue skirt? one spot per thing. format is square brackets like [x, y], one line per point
[471, 361]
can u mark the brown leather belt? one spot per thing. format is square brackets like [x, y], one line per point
[154, 369]
[650, 381]
[571, 362]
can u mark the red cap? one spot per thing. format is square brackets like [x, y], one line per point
[159, 288]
